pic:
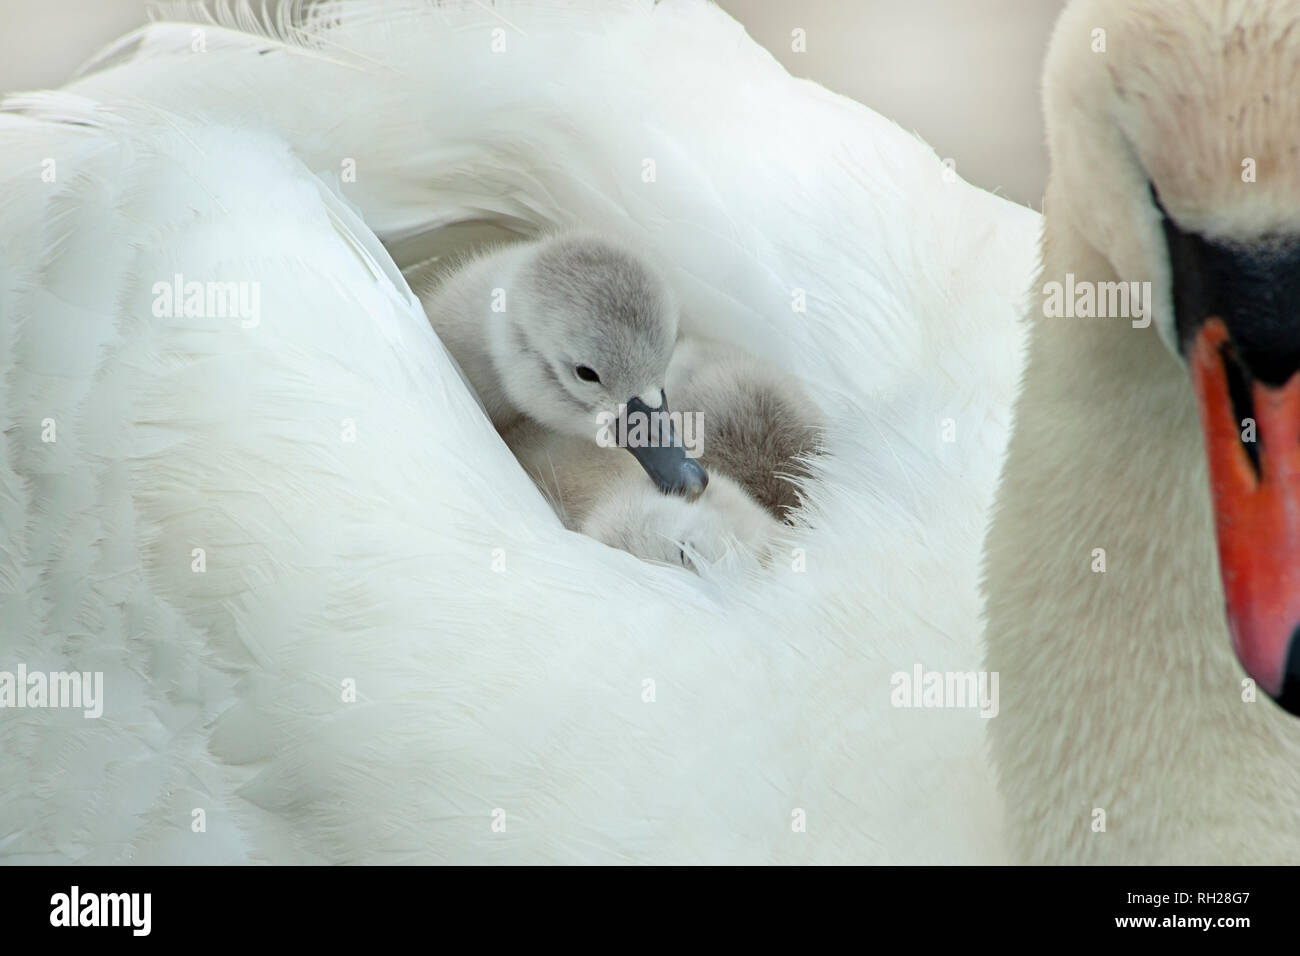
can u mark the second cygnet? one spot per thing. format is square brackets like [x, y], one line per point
[603, 494]
[757, 425]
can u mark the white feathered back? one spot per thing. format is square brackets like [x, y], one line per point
[394, 644]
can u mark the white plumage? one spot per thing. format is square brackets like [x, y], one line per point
[610, 710]
[1129, 733]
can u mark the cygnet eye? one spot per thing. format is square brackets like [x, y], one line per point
[586, 374]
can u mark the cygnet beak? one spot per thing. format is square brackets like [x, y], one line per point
[649, 434]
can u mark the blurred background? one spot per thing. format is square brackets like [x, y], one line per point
[963, 74]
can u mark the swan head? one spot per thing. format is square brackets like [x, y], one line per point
[586, 348]
[1174, 130]
[725, 526]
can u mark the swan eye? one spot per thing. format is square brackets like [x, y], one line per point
[586, 374]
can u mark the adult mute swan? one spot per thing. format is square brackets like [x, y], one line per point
[1128, 732]
[335, 619]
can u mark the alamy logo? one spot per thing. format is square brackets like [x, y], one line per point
[102, 909]
[209, 300]
[1098, 300]
[65, 689]
[946, 689]
[654, 429]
